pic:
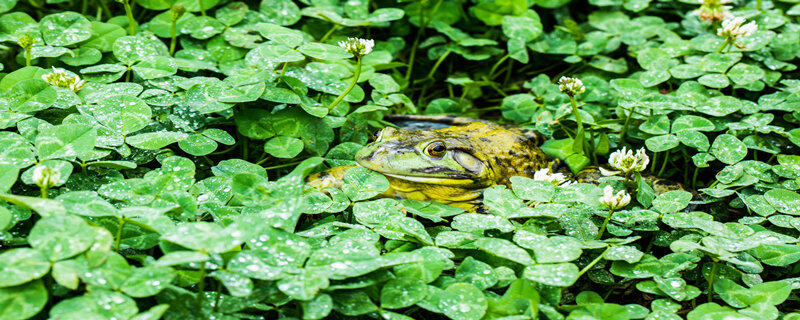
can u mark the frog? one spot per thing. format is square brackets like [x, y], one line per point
[452, 160]
[451, 165]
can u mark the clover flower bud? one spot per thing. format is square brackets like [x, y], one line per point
[614, 201]
[45, 177]
[713, 10]
[26, 41]
[557, 179]
[177, 11]
[571, 86]
[60, 78]
[357, 46]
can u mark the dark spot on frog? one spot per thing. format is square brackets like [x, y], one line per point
[487, 140]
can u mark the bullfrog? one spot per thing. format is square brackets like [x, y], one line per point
[451, 165]
[452, 160]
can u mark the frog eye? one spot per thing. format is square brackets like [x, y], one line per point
[435, 149]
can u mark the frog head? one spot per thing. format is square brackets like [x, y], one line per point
[471, 156]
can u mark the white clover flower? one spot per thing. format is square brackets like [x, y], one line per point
[557, 179]
[734, 28]
[357, 46]
[614, 201]
[625, 161]
[60, 78]
[45, 177]
[571, 86]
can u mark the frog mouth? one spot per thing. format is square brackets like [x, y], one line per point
[431, 180]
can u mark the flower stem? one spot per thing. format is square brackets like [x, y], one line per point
[758, 5]
[44, 192]
[129, 14]
[577, 116]
[575, 112]
[591, 264]
[605, 223]
[352, 84]
[173, 36]
[723, 46]
[27, 57]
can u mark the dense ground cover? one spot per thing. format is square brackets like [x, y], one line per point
[153, 152]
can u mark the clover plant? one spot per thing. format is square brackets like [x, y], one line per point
[153, 157]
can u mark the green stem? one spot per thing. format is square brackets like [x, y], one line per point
[28, 57]
[35, 4]
[201, 286]
[173, 36]
[352, 84]
[575, 112]
[105, 8]
[464, 94]
[605, 223]
[283, 165]
[202, 10]
[129, 14]
[664, 163]
[497, 65]
[423, 25]
[44, 189]
[625, 126]
[118, 240]
[711, 279]
[329, 33]
[508, 72]
[724, 45]
[438, 63]
[758, 5]
[244, 148]
[260, 162]
[283, 70]
[219, 293]
[591, 264]
[653, 163]
[591, 147]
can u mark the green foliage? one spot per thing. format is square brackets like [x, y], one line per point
[170, 185]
